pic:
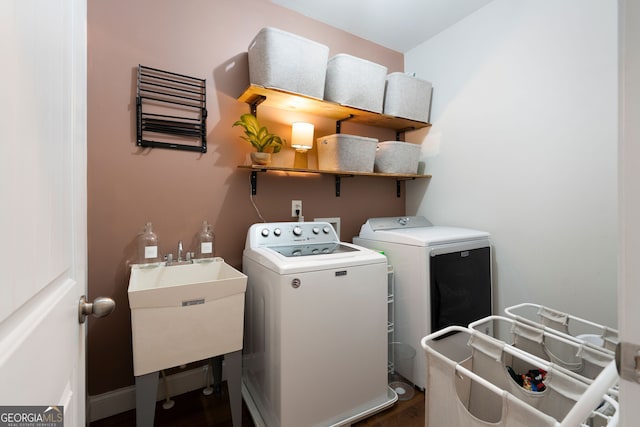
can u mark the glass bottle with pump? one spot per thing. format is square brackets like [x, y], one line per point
[205, 248]
[148, 246]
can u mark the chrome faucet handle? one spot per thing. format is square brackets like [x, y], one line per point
[179, 250]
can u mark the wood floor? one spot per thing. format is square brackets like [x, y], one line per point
[197, 410]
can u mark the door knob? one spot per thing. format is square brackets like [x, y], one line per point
[100, 307]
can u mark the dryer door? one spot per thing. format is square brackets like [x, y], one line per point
[460, 287]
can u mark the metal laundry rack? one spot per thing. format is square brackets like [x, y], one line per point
[566, 324]
[171, 110]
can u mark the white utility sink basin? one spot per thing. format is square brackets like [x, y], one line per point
[184, 313]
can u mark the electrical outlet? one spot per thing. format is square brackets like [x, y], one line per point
[296, 208]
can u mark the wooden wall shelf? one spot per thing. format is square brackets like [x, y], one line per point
[258, 95]
[337, 174]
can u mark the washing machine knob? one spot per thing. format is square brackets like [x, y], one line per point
[316, 230]
[403, 221]
[326, 229]
[277, 232]
[297, 231]
[265, 232]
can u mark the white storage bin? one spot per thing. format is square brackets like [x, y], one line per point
[340, 152]
[355, 82]
[282, 60]
[397, 157]
[407, 97]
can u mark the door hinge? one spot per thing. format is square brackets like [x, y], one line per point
[628, 361]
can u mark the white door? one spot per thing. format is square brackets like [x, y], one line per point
[629, 164]
[43, 204]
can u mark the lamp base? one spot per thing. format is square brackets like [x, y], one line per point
[300, 160]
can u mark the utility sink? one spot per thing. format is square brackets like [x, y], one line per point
[184, 313]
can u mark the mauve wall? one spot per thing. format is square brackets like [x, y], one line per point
[177, 190]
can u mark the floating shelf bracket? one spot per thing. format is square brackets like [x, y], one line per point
[401, 131]
[254, 183]
[339, 122]
[254, 180]
[399, 186]
[339, 181]
[255, 102]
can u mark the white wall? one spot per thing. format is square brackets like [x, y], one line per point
[524, 145]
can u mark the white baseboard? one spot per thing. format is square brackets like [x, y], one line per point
[124, 399]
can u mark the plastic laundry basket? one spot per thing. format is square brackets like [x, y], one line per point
[403, 358]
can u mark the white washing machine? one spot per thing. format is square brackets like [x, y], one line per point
[315, 351]
[442, 277]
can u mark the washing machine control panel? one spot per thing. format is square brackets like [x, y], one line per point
[391, 223]
[288, 233]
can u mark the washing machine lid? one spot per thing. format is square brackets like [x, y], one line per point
[314, 249]
[416, 231]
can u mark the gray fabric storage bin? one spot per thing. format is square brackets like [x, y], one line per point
[397, 157]
[282, 60]
[355, 82]
[407, 97]
[340, 152]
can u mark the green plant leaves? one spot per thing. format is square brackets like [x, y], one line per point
[258, 136]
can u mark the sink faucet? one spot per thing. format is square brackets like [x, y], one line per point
[170, 260]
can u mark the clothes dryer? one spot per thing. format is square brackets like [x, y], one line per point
[442, 278]
[315, 351]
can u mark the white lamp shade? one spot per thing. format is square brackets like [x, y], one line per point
[302, 135]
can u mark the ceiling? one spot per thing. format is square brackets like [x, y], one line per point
[400, 25]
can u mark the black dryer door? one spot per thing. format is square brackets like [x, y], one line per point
[460, 287]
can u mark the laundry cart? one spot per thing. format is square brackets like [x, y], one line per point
[577, 358]
[474, 379]
[570, 326]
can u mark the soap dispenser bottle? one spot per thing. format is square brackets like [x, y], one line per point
[148, 245]
[205, 248]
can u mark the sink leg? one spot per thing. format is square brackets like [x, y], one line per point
[146, 392]
[233, 365]
[216, 368]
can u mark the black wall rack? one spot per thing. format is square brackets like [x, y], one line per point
[171, 110]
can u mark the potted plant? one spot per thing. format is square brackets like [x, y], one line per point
[259, 137]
